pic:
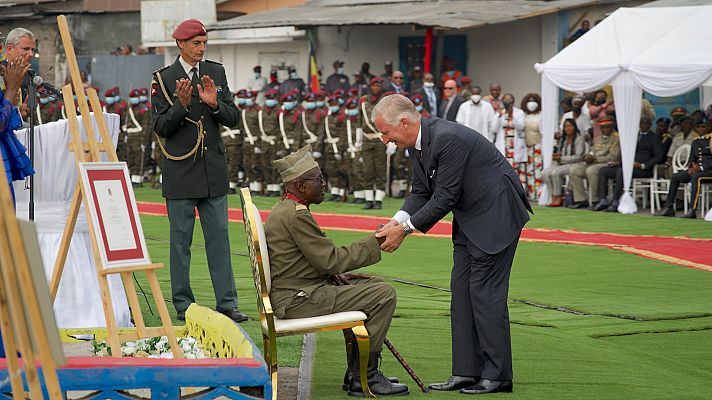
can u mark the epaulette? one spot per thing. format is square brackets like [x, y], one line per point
[160, 69]
[213, 62]
[301, 207]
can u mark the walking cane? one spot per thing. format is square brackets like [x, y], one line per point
[392, 348]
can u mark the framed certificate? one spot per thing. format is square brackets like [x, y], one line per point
[114, 214]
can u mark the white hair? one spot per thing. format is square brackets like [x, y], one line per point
[13, 37]
[393, 108]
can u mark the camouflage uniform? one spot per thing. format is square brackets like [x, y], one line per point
[271, 140]
[373, 151]
[252, 146]
[138, 122]
[232, 137]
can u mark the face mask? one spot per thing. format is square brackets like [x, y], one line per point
[257, 75]
[310, 105]
[289, 105]
[271, 102]
[476, 98]
[532, 105]
[320, 104]
[340, 71]
[341, 101]
[117, 99]
[44, 100]
[293, 75]
[506, 104]
[428, 84]
[143, 99]
[334, 109]
[241, 101]
[109, 100]
[134, 100]
[352, 112]
[75, 97]
[249, 102]
[419, 108]
[52, 99]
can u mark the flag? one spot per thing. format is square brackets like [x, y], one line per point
[313, 68]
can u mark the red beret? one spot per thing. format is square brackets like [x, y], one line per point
[290, 95]
[134, 93]
[376, 81]
[189, 28]
[143, 91]
[605, 120]
[310, 96]
[466, 79]
[114, 91]
[416, 98]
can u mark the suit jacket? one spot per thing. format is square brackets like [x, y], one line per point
[426, 101]
[452, 112]
[649, 150]
[463, 172]
[203, 174]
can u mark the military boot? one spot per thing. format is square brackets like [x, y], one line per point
[352, 361]
[377, 382]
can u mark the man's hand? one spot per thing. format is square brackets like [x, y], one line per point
[390, 224]
[208, 92]
[636, 165]
[613, 163]
[345, 279]
[693, 169]
[393, 235]
[589, 158]
[24, 109]
[184, 89]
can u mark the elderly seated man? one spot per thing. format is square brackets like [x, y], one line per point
[305, 263]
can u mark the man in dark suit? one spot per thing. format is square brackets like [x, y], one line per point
[431, 94]
[191, 100]
[452, 101]
[648, 153]
[457, 170]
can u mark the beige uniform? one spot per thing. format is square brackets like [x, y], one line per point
[302, 258]
[606, 148]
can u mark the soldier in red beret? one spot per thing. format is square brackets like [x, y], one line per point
[191, 99]
[373, 149]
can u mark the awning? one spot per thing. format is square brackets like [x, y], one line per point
[450, 14]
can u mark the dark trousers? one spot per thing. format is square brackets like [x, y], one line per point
[606, 173]
[213, 219]
[481, 344]
[697, 179]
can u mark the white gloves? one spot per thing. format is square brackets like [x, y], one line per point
[337, 157]
[258, 150]
[317, 154]
[391, 149]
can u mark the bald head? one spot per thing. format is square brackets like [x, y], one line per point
[450, 88]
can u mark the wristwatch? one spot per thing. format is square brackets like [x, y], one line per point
[407, 230]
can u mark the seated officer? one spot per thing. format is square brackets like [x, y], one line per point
[304, 263]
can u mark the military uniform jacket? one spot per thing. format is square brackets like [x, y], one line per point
[270, 125]
[314, 121]
[249, 123]
[606, 148]
[302, 257]
[369, 128]
[291, 123]
[203, 173]
[701, 154]
[337, 130]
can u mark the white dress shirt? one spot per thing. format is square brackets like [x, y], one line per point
[403, 216]
[187, 67]
[480, 117]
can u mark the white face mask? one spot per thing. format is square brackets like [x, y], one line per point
[476, 98]
[340, 70]
[532, 105]
[428, 84]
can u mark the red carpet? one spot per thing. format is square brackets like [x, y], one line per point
[693, 253]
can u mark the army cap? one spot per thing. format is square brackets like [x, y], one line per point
[416, 99]
[311, 96]
[338, 63]
[605, 120]
[376, 81]
[188, 29]
[290, 95]
[295, 164]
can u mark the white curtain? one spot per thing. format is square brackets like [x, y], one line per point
[549, 124]
[78, 304]
[628, 104]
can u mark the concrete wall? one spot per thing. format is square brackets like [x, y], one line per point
[250, 6]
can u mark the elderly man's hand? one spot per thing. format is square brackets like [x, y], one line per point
[345, 279]
[393, 235]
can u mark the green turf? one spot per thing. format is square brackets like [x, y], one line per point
[638, 328]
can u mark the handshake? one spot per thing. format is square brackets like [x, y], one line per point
[390, 236]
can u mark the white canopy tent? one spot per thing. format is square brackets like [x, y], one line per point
[664, 51]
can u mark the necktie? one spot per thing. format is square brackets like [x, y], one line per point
[196, 79]
[419, 154]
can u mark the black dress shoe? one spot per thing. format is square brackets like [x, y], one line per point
[601, 206]
[180, 315]
[485, 386]
[368, 205]
[580, 204]
[231, 191]
[666, 212]
[612, 208]
[377, 205]
[454, 382]
[691, 213]
[235, 315]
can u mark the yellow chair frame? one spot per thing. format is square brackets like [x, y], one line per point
[250, 216]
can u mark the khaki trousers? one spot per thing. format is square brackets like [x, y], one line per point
[576, 175]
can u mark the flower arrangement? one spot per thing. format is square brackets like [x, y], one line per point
[155, 347]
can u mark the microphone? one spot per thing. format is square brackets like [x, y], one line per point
[39, 82]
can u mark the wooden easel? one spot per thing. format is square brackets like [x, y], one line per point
[90, 151]
[20, 316]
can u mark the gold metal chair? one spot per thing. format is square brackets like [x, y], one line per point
[350, 322]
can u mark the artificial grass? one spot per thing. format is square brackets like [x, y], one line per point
[557, 354]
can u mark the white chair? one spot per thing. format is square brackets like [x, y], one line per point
[679, 163]
[645, 186]
[273, 327]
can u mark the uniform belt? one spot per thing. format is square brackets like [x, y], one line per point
[372, 136]
[332, 140]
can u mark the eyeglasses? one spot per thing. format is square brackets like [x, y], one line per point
[397, 77]
[319, 178]
[449, 88]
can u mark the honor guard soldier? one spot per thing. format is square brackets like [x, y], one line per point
[401, 168]
[44, 110]
[305, 265]
[232, 137]
[271, 140]
[320, 101]
[290, 124]
[312, 119]
[374, 150]
[252, 146]
[294, 82]
[149, 168]
[354, 153]
[607, 148]
[114, 105]
[191, 99]
[137, 123]
[335, 144]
